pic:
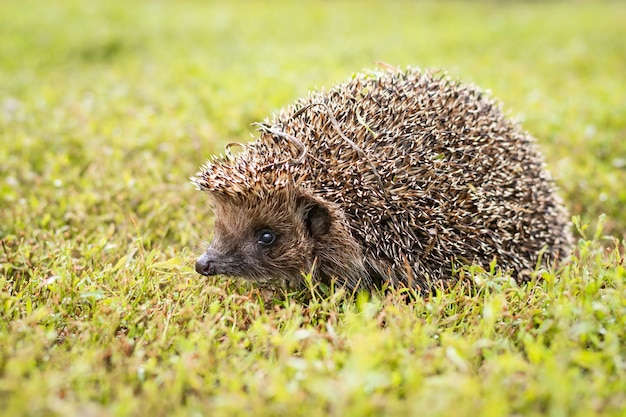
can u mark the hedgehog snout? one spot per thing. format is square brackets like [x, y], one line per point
[205, 265]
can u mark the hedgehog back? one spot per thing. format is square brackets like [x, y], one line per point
[427, 171]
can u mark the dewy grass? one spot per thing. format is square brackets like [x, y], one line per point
[106, 108]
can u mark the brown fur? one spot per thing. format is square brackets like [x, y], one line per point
[311, 237]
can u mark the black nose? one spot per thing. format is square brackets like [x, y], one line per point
[205, 265]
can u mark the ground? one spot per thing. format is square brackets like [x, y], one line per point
[106, 109]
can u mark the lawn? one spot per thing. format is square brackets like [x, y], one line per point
[106, 110]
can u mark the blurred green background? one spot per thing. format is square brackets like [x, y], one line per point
[108, 107]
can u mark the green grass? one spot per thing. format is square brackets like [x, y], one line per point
[106, 108]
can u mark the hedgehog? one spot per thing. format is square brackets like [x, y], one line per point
[393, 178]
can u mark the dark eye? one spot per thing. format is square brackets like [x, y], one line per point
[267, 237]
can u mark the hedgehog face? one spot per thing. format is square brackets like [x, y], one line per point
[265, 239]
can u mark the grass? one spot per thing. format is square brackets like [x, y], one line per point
[106, 108]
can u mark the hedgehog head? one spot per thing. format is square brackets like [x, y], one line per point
[269, 228]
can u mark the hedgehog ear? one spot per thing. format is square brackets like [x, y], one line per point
[316, 216]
